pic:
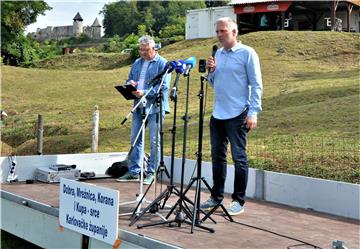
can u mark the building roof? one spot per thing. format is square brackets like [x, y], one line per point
[356, 2]
[237, 2]
[96, 23]
[234, 2]
[78, 17]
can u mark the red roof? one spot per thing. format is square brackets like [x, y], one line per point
[238, 2]
[233, 2]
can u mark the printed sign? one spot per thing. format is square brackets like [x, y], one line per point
[89, 210]
[249, 8]
[272, 7]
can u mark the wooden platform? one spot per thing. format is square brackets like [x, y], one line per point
[262, 225]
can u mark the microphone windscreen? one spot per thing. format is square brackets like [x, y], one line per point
[180, 66]
[171, 66]
[190, 61]
[214, 49]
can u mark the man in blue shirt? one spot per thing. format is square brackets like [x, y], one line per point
[235, 76]
[144, 69]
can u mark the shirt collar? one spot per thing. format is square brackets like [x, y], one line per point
[233, 49]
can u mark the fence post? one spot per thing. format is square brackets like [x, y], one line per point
[95, 130]
[40, 134]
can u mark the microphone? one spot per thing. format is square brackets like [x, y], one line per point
[214, 49]
[190, 63]
[169, 67]
[180, 68]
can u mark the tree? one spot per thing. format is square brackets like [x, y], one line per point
[120, 18]
[212, 3]
[16, 15]
[124, 17]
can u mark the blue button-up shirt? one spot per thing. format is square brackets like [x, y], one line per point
[156, 66]
[237, 82]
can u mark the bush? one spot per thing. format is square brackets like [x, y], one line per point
[114, 45]
[131, 41]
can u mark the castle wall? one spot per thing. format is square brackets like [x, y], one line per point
[63, 32]
[57, 33]
[93, 32]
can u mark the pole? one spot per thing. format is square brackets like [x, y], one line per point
[40, 134]
[95, 130]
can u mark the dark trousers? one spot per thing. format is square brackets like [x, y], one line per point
[222, 132]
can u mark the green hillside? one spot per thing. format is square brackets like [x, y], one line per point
[85, 61]
[309, 125]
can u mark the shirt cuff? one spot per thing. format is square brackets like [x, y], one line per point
[252, 113]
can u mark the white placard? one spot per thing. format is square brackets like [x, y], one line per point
[89, 210]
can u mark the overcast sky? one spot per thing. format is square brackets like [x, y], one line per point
[63, 11]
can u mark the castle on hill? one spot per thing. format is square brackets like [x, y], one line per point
[75, 30]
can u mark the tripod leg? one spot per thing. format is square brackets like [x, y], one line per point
[214, 208]
[185, 198]
[175, 191]
[202, 227]
[141, 200]
[197, 191]
[156, 224]
[172, 210]
[155, 202]
[226, 213]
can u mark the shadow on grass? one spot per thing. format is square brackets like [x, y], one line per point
[326, 75]
[311, 96]
[69, 144]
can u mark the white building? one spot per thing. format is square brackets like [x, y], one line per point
[200, 23]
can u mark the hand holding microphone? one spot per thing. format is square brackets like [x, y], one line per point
[211, 63]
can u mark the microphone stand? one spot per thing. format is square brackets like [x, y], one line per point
[171, 188]
[152, 207]
[183, 213]
[198, 179]
[141, 196]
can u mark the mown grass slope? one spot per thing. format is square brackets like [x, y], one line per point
[309, 124]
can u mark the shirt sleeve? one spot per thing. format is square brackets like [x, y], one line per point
[255, 82]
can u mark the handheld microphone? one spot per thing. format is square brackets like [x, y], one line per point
[190, 63]
[214, 49]
[180, 68]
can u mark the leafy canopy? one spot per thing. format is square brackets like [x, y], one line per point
[124, 17]
[16, 15]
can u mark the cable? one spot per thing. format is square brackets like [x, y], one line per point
[296, 245]
[277, 234]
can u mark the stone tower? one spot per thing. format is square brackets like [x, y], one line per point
[96, 29]
[77, 25]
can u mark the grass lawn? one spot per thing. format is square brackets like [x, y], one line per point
[309, 124]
